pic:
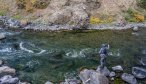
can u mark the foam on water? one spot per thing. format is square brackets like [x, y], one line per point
[6, 50]
[25, 49]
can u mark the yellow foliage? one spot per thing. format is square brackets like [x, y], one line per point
[33, 1]
[94, 20]
[139, 17]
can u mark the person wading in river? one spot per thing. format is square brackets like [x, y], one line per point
[103, 54]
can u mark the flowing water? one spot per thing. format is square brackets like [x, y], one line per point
[42, 56]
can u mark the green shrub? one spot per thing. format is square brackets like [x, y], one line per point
[134, 16]
[142, 3]
[2, 13]
[17, 17]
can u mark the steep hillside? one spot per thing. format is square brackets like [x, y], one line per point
[68, 11]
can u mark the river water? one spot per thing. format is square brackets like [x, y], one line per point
[42, 56]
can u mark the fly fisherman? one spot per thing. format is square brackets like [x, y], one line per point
[103, 54]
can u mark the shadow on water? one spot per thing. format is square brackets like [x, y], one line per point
[42, 56]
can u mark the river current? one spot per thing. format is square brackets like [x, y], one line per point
[42, 56]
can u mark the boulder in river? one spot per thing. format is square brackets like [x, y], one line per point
[129, 78]
[139, 72]
[103, 71]
[92, 77]
[7, 79]
[2, 36]
[5, 70]
[117, 68]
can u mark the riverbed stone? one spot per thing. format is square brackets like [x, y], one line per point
[5, 70]
[139, 72]
[117, 68]
[103, 71]
[92, 77]
[8, 79]
[129, 78]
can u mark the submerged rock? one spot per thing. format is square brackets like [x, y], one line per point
[71, 81]
[117, 68]
[1, 62]
[2, 36]
[7, 79]
[23, 83]
[92, 77]
[139, 72]
[129, 78]
[103, 71]
[7, 70]
[143, 62]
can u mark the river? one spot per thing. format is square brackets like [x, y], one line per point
[41, 56]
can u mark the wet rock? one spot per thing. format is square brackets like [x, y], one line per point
[117, 68]
[2, 36]
[48, 82]
[129, 78]
[92, 77]
[139, 72]
[7, 70]
[135, 29]
[112, 74]
[103, 71]
[7, 79]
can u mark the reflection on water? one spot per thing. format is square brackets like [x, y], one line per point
[42, 56]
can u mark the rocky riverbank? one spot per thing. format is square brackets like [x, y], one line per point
[8, 75]
[6, 22]
[104, 76]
